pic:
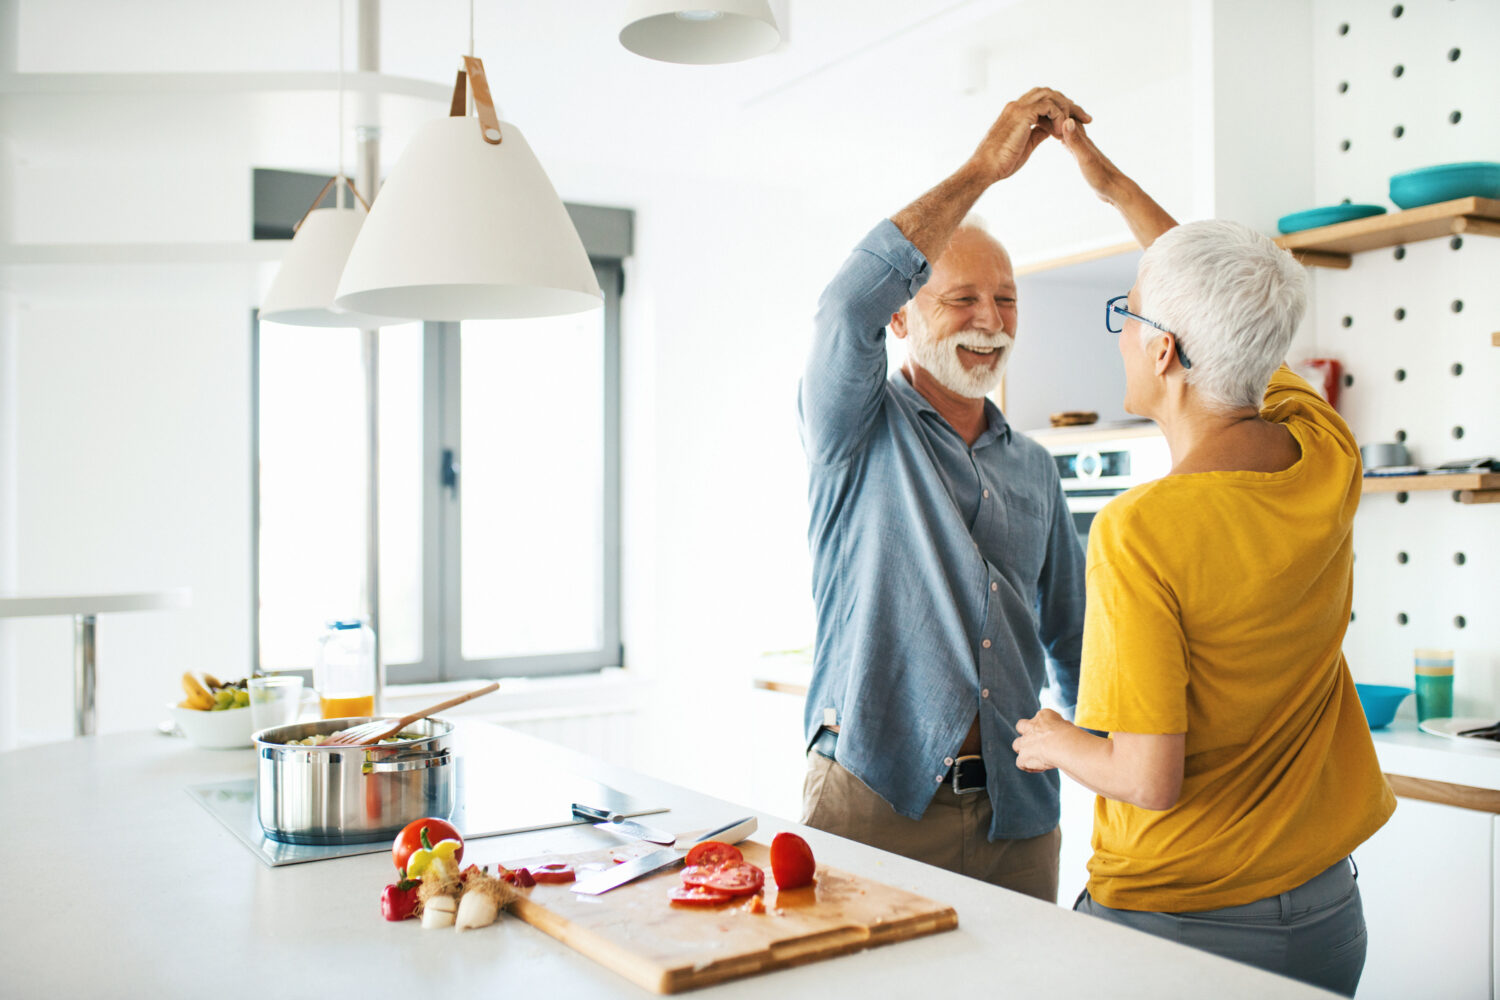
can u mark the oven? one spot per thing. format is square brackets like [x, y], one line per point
[1098, 462]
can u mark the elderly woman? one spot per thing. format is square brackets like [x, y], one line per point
[1238, 773]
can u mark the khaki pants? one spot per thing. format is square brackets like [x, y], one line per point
[952, 834]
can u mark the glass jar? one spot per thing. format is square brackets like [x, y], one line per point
[344, 674]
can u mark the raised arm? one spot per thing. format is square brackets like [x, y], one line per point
[1147, 220]
[1023, 125]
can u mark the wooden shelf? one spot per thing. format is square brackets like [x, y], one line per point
[1472, 487]
[1334, 246]
[1108, 252]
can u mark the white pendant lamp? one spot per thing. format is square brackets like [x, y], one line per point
[467, 226]
[303, 290]
[301, 294]
[708, 31]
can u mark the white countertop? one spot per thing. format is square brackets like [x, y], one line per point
[131, 888]
[1406, 750]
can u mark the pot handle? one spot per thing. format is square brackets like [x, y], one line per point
[407, 762]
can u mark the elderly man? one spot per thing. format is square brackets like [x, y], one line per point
[946, 572]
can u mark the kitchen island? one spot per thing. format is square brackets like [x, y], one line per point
[122, 885]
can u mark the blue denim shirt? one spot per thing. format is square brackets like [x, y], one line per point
[948, 579]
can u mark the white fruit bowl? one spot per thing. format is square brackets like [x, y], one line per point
[226, 730]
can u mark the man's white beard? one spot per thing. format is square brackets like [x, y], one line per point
[940, 358]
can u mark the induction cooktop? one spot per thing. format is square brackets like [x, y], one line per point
[490, 802]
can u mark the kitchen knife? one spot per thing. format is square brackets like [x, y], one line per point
[613, 822]
[593, 885]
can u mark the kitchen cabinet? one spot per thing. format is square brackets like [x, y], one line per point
[1427, 882]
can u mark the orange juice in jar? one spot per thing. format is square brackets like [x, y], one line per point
[344, 674]
[347, 708]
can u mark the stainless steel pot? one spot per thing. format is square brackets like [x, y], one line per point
[351, 795]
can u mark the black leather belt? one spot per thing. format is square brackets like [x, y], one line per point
[967, 775]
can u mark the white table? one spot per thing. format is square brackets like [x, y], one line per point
[85, 610]
[144, 893]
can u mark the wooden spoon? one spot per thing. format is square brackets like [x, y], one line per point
[378, 729]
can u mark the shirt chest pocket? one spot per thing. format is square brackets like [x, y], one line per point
[1025, 540]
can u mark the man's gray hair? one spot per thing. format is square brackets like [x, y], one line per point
[1232, 298]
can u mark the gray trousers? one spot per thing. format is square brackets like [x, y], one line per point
[1315, 932]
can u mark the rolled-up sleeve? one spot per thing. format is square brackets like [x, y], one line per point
[846, 368]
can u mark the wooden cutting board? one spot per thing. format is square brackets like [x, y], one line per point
[635, 931]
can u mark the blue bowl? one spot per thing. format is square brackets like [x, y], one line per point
[1380, 702]
[1312, 218]
[1430, 185]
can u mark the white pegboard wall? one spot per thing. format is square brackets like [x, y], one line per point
[1386, 90]
[1412, 326]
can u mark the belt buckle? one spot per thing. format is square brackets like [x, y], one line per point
[966, 769]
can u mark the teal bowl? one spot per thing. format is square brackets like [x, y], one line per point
[1445, 182]
[1380, 702]
[1312, 218]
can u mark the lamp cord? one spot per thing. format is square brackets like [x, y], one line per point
[338, 198]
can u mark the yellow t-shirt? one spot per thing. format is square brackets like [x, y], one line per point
[1217, 604]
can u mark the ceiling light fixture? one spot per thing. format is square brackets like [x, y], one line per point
[467, 226]
[302, 293]
[723, 31]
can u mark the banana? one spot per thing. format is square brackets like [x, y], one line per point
[211, 682]
[197, 695]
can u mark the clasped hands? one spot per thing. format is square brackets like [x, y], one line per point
[1024, 124]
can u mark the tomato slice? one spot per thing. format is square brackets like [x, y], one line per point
[696, 895]
[713, 852]
[735, 878]
[553, 873]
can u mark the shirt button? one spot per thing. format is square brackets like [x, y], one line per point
[994, 586]
[985, 693]
[939, 779]
[985, 644]
[948, 761]
[986, 494]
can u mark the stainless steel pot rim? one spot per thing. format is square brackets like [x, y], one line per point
[276, 737]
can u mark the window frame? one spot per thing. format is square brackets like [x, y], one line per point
[608, 236]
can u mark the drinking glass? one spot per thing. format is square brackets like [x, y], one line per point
[274, 701]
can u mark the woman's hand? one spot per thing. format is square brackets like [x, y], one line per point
[1147, 220]
[1038, 735]
[1102, 175]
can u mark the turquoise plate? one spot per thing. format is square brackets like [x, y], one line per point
[1325, 216]
[1430, 185]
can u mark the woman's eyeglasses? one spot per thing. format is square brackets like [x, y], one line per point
[1115, 315]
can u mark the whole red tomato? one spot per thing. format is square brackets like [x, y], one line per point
[409, 840]
[792, 864]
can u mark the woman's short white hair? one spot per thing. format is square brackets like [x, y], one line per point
[1232, 298]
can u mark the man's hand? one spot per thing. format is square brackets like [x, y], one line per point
[1023, 125]
[1036, 738]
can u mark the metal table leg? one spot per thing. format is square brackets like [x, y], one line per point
[83, 675]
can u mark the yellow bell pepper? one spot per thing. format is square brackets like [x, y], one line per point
[430, 854]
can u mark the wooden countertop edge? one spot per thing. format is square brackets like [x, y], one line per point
[1445, 793]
